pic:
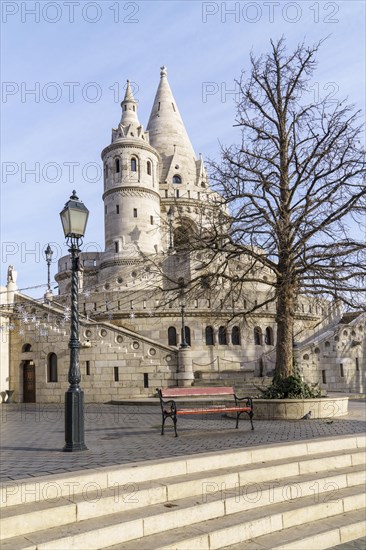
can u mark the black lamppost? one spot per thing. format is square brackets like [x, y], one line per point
[170, 215]
[184, 341]
[74, 218]
[48, 253]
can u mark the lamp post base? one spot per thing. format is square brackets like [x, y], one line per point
[74, 421]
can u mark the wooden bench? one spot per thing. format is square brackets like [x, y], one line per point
[170, 408]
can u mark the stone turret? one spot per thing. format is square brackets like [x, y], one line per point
[131, 190]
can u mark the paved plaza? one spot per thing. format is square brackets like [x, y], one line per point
[32, 437]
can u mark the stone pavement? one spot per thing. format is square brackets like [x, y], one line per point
[32, 437]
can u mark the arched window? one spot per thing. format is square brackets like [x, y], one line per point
[222, 336]
[52, 368]
[117, 165]
[187, 332]
[209, 334]
[235, 336]
[133, 164]
[181, 237]
[257, 336]
[269, 336]
[172, 336]
[106, 170]
[148, 168]
[26, 348]
[177, 179]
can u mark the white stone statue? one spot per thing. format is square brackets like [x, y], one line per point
[12, 275]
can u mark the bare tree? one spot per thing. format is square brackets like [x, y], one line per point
[295, 192]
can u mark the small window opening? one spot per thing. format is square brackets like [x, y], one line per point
[135, 212]
[133, 165]
[146, 379]
[177, 179]
[172, 336]
[151, 220]
[117, 208]
[117, 166]
[87, 368]
[357, 364]
[52, 368]
[148, 168]
[116, 246]
[324, 377]
[209, 336]
[116, 374]
[235, 336]
[341, 370]
[222, 336]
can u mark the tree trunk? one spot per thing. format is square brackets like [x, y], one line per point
[286, 300]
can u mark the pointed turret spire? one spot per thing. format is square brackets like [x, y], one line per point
[129, 107]
[129, 126]
[168, 134]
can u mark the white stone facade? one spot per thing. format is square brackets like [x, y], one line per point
[155, 191]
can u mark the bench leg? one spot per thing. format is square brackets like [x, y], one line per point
[251, 418]
[237, 419]
[174, 418]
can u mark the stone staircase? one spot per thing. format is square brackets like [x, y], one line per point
[242, 382]
[308, 494]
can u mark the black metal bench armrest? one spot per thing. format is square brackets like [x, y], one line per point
[249, 401]
[168, 404]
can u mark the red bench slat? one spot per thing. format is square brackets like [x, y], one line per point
[192, 392]
[212, 410]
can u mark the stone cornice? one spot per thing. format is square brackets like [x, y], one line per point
[128, 144]
[112, 263]
[132, 191]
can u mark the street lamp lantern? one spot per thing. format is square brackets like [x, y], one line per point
[74, 218]
[48, 253]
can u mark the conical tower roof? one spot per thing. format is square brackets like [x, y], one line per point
[168, 134]
[129, 126]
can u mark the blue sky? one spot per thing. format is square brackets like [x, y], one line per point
[77, 57]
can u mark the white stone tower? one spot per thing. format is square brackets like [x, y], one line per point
[131, 192]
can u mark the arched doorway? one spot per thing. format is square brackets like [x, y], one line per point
[29, 382]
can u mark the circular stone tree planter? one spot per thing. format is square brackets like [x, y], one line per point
[294, 409]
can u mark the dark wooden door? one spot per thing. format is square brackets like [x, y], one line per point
[29, 382]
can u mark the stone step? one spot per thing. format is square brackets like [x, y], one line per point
[61, 511]
[60, 486]
[218, 494]
[319, 535]
[244, 526]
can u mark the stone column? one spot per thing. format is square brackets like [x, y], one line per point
[185, 374]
